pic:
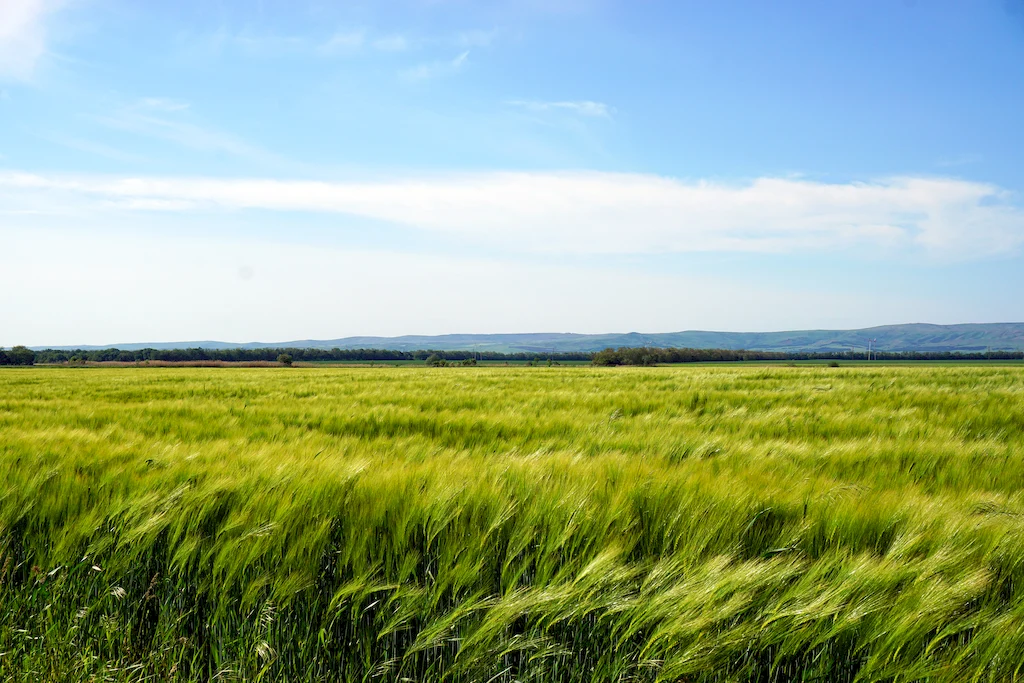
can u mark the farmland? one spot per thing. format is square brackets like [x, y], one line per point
[700, 523]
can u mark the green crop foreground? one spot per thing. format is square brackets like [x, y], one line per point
[512, 524]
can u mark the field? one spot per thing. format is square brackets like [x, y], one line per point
[702, 523]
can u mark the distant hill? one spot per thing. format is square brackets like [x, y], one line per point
[913, 337]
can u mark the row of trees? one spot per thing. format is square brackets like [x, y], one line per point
[19, 355]
[646, 356]
[297, 355]
[649, 356]
[437, 361]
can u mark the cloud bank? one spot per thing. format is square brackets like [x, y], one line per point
[612, 213]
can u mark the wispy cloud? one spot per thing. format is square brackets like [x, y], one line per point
[349, 40]
[163, 104]
[476, 38]
[92, 147]
[618, 213]
[579, 107]
[391, 43]
[429, 70]
[343, 41]
[23, 36]
[259, 44]
[961, 160]
[168, 120]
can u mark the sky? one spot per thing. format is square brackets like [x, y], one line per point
[280, 170]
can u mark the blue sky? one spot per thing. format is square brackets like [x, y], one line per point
[286, 170]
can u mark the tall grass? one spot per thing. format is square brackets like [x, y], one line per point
[513, 524]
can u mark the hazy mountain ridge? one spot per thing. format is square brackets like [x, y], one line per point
[972, 337]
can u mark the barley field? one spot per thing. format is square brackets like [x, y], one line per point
[715, 523]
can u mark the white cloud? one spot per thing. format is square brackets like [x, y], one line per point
[583, 212]
[580, 107]
[429, 70]
[22, 36]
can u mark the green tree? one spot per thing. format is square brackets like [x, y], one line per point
[607, 357]
[285, 359]
[21, 355]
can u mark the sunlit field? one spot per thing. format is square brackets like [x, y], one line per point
[707, 523]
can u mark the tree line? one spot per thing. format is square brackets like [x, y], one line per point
[658, 356]
[297, 355]
[20, 355]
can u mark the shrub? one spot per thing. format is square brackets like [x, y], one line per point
[284, 359]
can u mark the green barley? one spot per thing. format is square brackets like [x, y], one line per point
[512, 524]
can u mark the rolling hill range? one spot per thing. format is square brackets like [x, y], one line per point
[966, 338]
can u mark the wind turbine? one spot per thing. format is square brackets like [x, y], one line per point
[870, 342]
